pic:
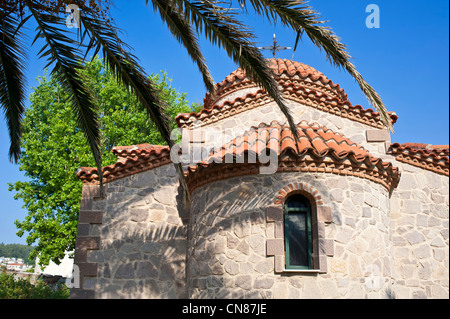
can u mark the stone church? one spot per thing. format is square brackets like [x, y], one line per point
[340, 213]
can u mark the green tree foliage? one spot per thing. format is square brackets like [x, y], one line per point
[16, 251]
[20, 288]
[54, 148]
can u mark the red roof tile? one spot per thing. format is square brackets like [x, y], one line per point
[423, 146]
[319, 150]
[130, 160]
[285, 72]
[430, 157]
[123, 152]
[292, 92]
[299, 82]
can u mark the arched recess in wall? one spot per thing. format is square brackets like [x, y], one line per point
[320, 214]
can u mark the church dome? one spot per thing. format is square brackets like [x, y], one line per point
[289, 74]
[298, 83]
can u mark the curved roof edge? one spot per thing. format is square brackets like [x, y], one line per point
[130, 160]
[433, 158]
[319, 150]
[284, 71]
[291, 92]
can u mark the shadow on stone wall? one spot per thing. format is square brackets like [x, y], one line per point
[227, 241]
[148, 264]
[143, 243]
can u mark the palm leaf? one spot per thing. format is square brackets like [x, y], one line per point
[299, 35]
[221, 28]
[183, 32]
[59, 51]
[302, 18]
[128, 72]
[12, 81]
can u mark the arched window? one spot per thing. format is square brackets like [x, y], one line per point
[297, 233]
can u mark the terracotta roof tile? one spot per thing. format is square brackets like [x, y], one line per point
[423, 146]
[430, 157]
[130, 160]
[299, 82]
[136, 150]
[318, 148]
[285, 72]
[292, 92]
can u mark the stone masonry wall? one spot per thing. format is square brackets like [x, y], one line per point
[420, 226]
[228, 232]
[142, 238]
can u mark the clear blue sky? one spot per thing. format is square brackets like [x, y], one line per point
[406, 60]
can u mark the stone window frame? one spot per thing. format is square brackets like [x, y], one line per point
[320, 215]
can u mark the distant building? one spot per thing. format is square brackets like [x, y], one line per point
[16, 265]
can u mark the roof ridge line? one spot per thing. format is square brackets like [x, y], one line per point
[260, 93]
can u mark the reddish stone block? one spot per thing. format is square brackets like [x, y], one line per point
[83, 230]
[274, 213]
[86, 203]
[275, 247]
[80, 256]
[82, 294]
[88, 243]
[90, 217]
[377, 135]
[280, 263]
[324, 214]
[279, 229]
[88, 269]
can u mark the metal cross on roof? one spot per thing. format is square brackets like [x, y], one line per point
[274, 47]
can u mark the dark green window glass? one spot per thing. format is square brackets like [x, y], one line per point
[297, 232]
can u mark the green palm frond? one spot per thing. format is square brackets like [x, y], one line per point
[184, 33]
[60, 52]
[186, 20]
[303, 19]
[12, 81]
[127, 71]
[221, 27]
